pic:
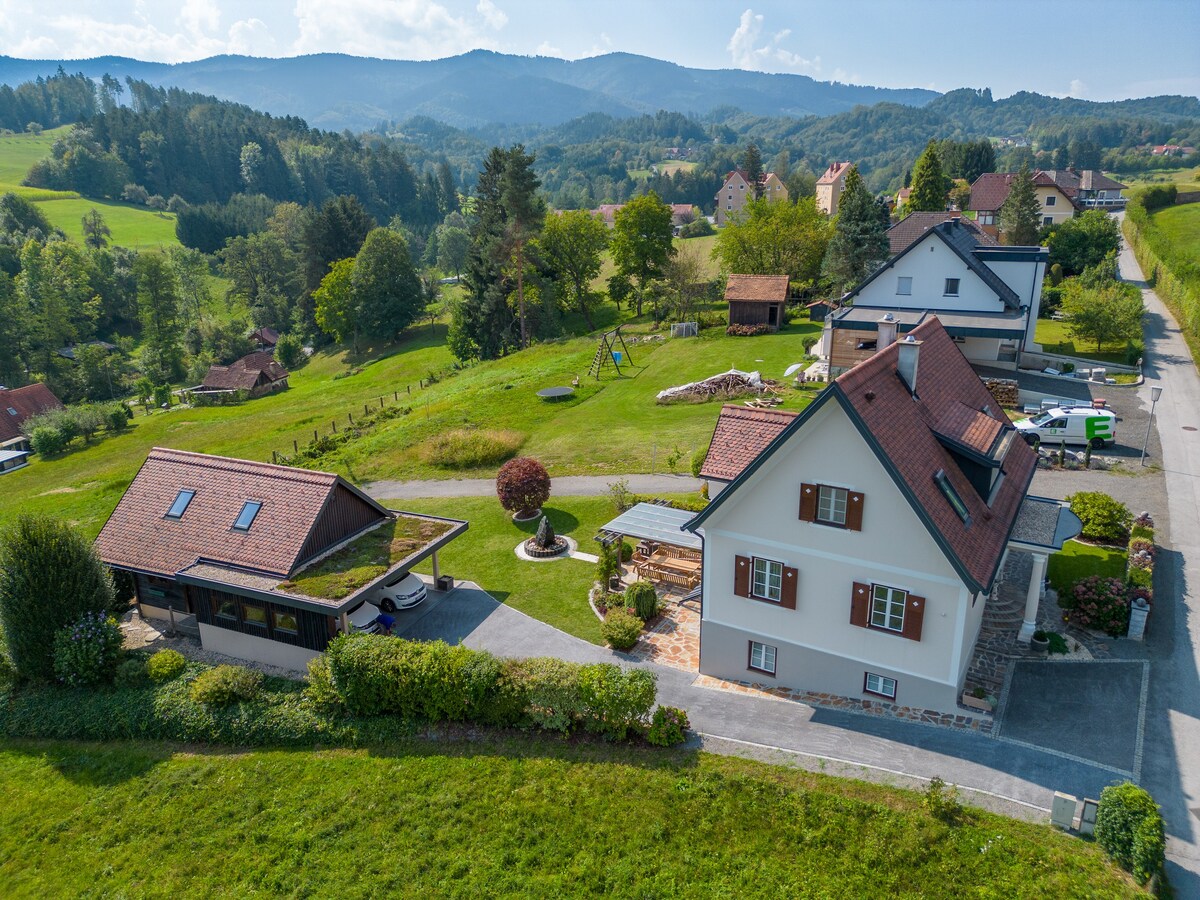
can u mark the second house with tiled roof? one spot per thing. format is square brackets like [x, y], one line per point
[854, 548]
[738, 190]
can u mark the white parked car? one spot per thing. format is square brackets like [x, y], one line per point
[364, 619]
[406, 593]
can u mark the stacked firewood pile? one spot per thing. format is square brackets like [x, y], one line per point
[728, 384]
[1005, 390]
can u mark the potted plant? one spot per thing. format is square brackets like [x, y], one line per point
[978, 698]
[1040, 642]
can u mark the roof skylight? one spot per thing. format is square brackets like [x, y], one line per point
[951, 495]
[182, 499]
[246, 517]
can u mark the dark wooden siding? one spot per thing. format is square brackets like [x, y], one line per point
[313, 628]
[165, 593]
[755, 313]
[344, 515]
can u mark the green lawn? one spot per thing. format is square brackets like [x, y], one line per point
[1186, 179]
[1055, 337]
[1078, 560]
[132, 226]
[610, 426]
[1181, 226]
[554, 592]
[515, 817]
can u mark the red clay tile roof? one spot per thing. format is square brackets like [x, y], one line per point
[913, 226]
[138, 535]
[757, 287]
[990, 190]
[18, 404]
[835, 171]
[968, 426]
[741, 434]
[266, 335]
[906, 434]
[245, 373]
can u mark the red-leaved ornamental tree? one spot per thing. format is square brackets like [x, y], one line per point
[523, 486]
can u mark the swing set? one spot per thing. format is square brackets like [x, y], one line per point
[607, 353]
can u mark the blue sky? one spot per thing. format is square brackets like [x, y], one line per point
[1058, 47]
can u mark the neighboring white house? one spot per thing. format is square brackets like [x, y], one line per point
[854, 554]
[986, 295]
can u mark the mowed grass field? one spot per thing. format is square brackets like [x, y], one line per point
[515, 817]
[1181, 225]
[132, 226]
[1186, 179]
[610, 426]
[1055, 337]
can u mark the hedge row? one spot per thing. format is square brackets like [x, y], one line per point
[436, 682]
[1175, 277]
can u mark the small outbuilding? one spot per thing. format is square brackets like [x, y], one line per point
[757, 300]
[256, 374]
[265, 337]
[19, 404]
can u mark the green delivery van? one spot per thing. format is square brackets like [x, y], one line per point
[1073, 425]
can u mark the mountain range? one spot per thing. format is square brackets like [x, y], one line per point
[335, 91]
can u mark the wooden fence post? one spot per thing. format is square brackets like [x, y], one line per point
[334, 424]
[295, 447]
[350, 416]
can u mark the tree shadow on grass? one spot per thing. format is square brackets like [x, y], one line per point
[563, 521]
[92, 764]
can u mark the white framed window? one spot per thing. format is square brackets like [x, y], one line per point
[879, 684]
[831, 505]
[985, 218]
[762, 657]
[1050, 199]
[767, 582]
[904, 285]
[1047, 220]
[951, 287]
[887, 607]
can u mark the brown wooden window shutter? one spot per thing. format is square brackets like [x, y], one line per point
[787, 593]
[860, 605]
[854, 510]
[914, 617]
[808, 503]
[741, 576]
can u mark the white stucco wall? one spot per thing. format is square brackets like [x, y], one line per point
[247, 646]
[894, 548]
[1025, 278]
[929, 265]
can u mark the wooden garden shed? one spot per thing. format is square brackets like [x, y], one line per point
[757, 299]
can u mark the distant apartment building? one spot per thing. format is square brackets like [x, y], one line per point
[738, 191]
[830, 187]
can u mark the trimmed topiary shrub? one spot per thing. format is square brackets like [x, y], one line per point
[320, 688]
[523, 486]
[621, 629]
[50, 577]
[668, 727]
[642, 599]
[225, 685]
[165, 665]
[1104, 519]
[87, 652]
[1130, 829]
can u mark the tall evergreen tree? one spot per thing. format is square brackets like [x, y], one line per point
[752, 165]
[525, 214]
[929, 183]
[158, 306]
[1020, 213]
[860, 240]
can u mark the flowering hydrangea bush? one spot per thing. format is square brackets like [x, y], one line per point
[1101, 603]
[89, 651]
[668, 727]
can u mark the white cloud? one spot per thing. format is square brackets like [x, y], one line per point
[492, 14]
[200, 16]
[545, 48]
[1076, 88]
[251, 37]
[407, 29]
[750, 49]
[83, 36]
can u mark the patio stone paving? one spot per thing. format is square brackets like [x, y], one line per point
[674, 640]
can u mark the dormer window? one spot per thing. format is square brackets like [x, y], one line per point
[182, 499]
[246, 517]
[951, 495]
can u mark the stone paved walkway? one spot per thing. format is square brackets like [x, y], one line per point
[674, 640]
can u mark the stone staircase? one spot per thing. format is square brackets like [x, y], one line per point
[997, 643]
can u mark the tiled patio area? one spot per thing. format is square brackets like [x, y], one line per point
[675, 638]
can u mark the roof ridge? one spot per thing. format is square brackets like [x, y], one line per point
[213, 461]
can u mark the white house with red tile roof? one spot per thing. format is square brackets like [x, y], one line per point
[737, 191]
[854, 554]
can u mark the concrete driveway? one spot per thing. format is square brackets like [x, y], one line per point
[1094, 710]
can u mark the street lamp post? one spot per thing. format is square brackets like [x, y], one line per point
[1155, 393]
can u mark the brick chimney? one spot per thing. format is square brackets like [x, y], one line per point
[906, 361]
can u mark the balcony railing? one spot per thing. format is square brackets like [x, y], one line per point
[1101, 202]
